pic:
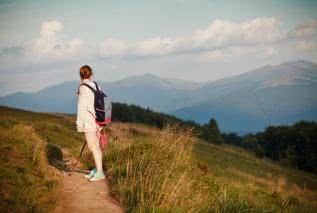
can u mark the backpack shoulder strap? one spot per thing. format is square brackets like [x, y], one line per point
[97, 87]
[87, 85]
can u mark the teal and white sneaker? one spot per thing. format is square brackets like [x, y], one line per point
[91, 173]
[98, 176]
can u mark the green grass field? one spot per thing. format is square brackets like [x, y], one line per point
[27, 183]
[262, 178]
[150, 170]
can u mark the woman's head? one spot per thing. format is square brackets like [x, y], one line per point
[85, 72]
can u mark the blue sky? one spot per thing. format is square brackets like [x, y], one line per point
[45, 42]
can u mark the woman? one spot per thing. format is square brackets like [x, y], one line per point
[86, 122]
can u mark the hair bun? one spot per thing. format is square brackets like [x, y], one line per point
[85, 72]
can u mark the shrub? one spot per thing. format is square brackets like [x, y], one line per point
[55, 156]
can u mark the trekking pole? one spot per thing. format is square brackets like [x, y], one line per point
[79, 156]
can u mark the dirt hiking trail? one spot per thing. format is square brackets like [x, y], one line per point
[80, 195]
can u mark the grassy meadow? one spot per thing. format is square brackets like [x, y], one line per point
[169, 170]
[27, 183]
[149, 170]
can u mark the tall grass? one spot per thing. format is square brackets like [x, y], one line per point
[154, 170]
[27, 184]
[155, 174]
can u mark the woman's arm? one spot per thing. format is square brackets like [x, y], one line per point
[81, 108]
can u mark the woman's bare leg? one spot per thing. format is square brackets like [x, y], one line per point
[94, 147]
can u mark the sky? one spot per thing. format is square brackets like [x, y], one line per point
[44, 43]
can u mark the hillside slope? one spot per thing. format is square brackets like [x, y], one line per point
[29, 141]
[27, 182]
[139, 159]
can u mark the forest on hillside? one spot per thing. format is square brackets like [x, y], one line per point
[294, 146]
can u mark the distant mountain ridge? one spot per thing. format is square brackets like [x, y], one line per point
[281, 94]
[270, 95]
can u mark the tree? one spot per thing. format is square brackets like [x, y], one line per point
[214, 134]
[259, 151]
[249, 141]
[232, 138]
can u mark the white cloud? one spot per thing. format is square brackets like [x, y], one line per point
[229, 53]
[306, 45]
[49, 29]
[215, 56]
[112, 47]
[307, 29]
[220, 34]
[49, 47]
[157, 46]
[220, 41]
[269, 52]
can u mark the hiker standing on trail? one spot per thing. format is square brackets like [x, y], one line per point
[86, 122]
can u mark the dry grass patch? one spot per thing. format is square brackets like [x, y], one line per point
[156, 174]
[27, 183]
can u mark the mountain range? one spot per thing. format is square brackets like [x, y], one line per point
[270, 95]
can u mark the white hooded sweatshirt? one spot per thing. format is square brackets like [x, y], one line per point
[85, 109]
